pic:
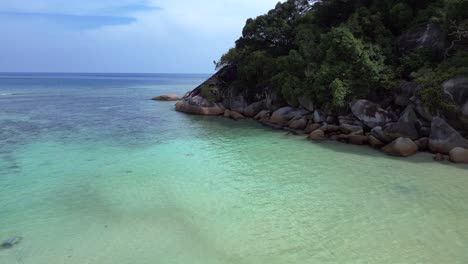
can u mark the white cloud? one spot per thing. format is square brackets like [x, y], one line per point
[184, 36]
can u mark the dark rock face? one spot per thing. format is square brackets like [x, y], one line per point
[430, 36]
[456, 94]
[404, 94]
[369, 113]
[444, 138]
[319, 117]
[236, 103]
[306, 103]
[405, 127]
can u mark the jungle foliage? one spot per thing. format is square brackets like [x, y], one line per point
[334, 51]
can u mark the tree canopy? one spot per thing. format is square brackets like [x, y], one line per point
[334, 51]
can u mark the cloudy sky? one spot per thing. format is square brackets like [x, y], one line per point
[147, 36]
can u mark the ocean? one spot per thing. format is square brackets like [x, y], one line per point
[92, 171]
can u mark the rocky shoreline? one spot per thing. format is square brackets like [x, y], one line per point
[399, 125]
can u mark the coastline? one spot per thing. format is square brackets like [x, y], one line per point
[400, 125]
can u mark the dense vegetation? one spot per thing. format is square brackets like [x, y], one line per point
[334, 51]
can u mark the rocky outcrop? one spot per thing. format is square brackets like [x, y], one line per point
[459, 155]
[400, 124]
[198, 105]
[168, 97]
[444, 138]
[369, 113]
[403, 147]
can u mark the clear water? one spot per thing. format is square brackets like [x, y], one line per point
[93, 172]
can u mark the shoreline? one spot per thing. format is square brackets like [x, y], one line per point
[366, 124]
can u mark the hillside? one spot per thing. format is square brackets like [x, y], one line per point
[388, 68]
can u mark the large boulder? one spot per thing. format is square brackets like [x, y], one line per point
[459, 155]
[317, 135]
[430, 36]
[167, 97]
[253, 109]
[283, 115]
[198, 105]
[403, 147]
[369, 113]
[298, 124]
[405, 127]
[444, 138]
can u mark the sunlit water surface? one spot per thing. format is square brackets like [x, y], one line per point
[91, 171]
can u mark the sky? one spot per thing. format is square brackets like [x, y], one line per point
[132, 36]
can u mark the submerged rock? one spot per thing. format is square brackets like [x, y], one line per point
[403, 147]
[10, 242]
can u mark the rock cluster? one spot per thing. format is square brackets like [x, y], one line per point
[399, 126]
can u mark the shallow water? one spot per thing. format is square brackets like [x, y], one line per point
[93, 172]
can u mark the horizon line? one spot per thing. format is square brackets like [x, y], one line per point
[45, 72]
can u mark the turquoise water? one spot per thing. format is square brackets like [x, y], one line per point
[93, 172]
